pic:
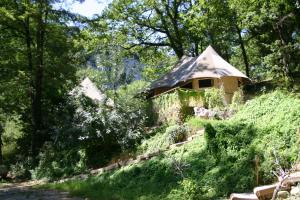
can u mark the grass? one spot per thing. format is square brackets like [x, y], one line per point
[158, 137]
[153, 179]
[214, 166]
[196, 123]
[155, 142]
[4, 183]
[158, 178]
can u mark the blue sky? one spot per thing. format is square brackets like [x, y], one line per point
[88, 8]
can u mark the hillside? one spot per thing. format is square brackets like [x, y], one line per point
[211, 166]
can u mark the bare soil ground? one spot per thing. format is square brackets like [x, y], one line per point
[25, 191]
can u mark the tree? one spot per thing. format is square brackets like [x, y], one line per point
[44, 59]
[186, 27]
[150, 23]
[1, 143]
[271, 26]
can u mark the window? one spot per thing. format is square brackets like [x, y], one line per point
[205, 83]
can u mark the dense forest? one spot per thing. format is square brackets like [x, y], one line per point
[46, 51]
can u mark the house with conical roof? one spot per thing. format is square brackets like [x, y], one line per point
[207, 70]
[90, 90]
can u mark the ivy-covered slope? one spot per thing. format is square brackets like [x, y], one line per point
[276, 118]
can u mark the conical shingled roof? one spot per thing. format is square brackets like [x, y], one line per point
[207, 65]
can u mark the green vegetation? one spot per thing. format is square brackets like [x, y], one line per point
[276, 117]
[47, 132]
[204, 177]
[163, 137]
[157, 140]
[262, 126]
[176, 133]
[92, 132]
[237, 99]
[154, 179]
[12, 132]
[214, 98]
[176, 105]
[213, 167]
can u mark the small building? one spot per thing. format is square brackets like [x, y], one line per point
[207, 70]
[90, 90]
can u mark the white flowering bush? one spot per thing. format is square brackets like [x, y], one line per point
[90, 136]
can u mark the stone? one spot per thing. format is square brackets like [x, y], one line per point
[97, 171]
[297, 167]
[295, 190]
[142, 157]
[283, 194]
[243, 196]
[124, 163]
[155, 153]
[265, 192]
[111, 167]
[130, 162]
[181, 143]
[138, 158]
[192, 137]
[178, 144]
[200, 131]
[292, 179]
[201, 112]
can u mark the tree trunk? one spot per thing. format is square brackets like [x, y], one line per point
[28, 41]
[244, 53]
[1, 133]
[1, 156]
[173, 34]
[196, 48]
[37, 136]
[285, 56]
[179, 51]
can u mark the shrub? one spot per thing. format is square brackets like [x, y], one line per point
[237, 99]
[3, 171]
[176, 133]
[156, 141]
[188, 189]
[262, 125]
[13, 132]
[214, 98]
[54, 164]
[232, 146]
[20, 170]
[195, 123]
[177, 105]
[276, 116]
[92, 132]
[228, 138]
[163, 137]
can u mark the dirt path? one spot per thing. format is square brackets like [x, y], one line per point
[25, 191]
